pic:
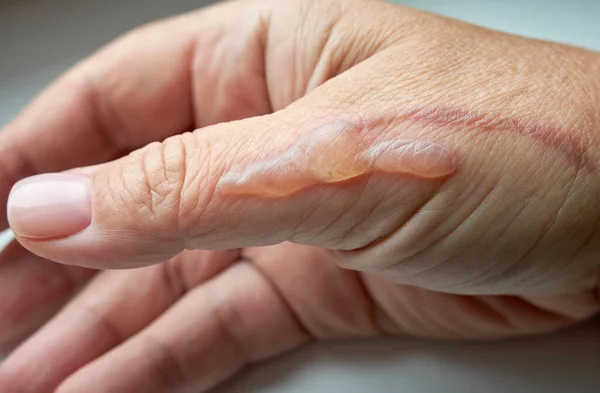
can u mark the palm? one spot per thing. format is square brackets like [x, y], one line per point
[240, 306]
[331, 302]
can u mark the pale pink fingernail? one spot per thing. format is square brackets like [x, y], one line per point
[50, 206]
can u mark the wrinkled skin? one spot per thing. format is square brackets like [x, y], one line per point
[506, 247]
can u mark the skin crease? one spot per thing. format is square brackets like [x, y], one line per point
[505, 246]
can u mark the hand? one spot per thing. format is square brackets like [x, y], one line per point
[505, 245]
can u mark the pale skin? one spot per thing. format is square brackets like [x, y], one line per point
[501, 241]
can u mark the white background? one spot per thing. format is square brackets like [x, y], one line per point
[40, 39]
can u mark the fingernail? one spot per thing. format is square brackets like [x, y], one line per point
[50, 206]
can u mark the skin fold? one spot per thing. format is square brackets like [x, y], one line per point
[269, 173]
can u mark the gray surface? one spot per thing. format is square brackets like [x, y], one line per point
[568, 362]
[39, 39]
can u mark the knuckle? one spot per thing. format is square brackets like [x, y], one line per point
[165, 361]
[149, 182]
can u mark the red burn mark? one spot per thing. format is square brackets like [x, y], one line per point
[545, 134]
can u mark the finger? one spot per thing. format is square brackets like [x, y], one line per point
[235, 319]
[150, 205]
[235, 34]
[32, 289]
[90, 115]
[112, 308]
[331, 303]
[155, 82]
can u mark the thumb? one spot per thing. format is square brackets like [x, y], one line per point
[328, 180]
